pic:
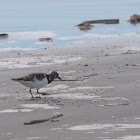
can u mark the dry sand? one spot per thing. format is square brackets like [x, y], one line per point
[104, 106]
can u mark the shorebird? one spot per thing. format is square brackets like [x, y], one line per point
[37, 80]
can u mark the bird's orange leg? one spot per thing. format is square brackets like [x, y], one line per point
[31, 92]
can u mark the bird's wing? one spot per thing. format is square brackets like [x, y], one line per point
[31, 77]
[40, 76]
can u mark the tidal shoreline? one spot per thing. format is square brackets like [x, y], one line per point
[101, 106]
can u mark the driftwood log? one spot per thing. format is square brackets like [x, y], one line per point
[43, 120]
[46, 39]
[4, 36]
[134, 19]
[87, 25]
[106, 21]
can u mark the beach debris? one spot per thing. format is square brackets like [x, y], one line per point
[135, 65]
[48, 39]
[127, 65]
[134, 19]
[87, 25]
[113, 117]
[116, 104]
[44, 120]
[106, 54]
[124, 53]
[106, 21]
[54, 120]
[4, 36]
[130, 52]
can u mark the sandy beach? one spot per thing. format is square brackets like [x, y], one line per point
[103, 104]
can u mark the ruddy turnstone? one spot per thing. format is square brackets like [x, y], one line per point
[37, 80]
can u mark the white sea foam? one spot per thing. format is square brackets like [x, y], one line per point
[76, 96]
[88, 36]
[104, 138]
[31, 138]
[83, 96]
[43, 43]
[30, 34]
[112, 127]
[54, 129]
[129, 137]
[36, 138]
[137, 118]
[115, 98]
[70, 38]
[124, 118]
[67, 72]
[25, 110]
[15, 139]
[9, 111]
[59, 61]
[101, 36]
[67, 59]
[9, 49]
[15, 110]
[58, 87]
[7, 133]
[38, 106]
[89, 88]
[65, 125]
[90, 132]
[107, 132]
[24, 62]
[113, 104]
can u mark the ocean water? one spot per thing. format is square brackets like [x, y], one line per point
[28, 20]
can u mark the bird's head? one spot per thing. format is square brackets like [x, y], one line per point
[55, 75]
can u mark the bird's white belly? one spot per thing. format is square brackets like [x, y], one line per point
[36, 83]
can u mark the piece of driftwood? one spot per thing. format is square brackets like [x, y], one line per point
[4, 36]
[43, 120]
[134, 19]
[48, 39]
[106, 21]
[85, 27]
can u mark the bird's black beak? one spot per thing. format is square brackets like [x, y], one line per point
[59, 78]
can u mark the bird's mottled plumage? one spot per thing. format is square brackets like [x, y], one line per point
[37, 80]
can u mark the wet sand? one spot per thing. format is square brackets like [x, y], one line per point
[103, 104]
